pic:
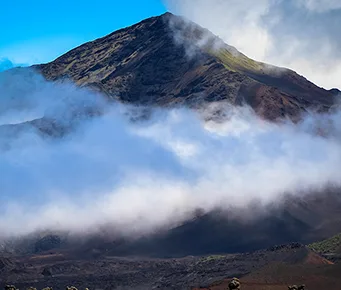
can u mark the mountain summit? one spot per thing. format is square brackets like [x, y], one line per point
[167, 60]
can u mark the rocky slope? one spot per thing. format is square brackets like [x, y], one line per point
[59, 269]
[167, 60]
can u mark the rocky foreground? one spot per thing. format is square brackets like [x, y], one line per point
[268, 267]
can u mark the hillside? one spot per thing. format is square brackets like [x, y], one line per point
[167, 60]
[217, 232]
[328, 246]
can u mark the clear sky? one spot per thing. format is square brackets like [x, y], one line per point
[35, 31]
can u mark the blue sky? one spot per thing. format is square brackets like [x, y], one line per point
[38, 31]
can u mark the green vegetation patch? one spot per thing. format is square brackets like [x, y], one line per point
[328, 246]
[236, 61]
[212, 258]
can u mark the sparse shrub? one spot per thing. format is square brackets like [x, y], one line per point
[10, 287]
[327, 246]
[234, 284]
[295, 287]
[47, 272]
[71, 288]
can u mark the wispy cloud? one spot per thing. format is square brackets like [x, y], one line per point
[138, 176]
[302, 35]
[6, 64]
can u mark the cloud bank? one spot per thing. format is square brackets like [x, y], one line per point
[5, 64]
[302, 35]
[140, 176]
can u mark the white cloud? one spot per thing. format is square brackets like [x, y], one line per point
[138, 176]
[321, 6]
[302, 35]
[5, 64]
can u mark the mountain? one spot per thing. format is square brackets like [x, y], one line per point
[168, 60]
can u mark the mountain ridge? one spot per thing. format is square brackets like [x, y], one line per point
[148, 63]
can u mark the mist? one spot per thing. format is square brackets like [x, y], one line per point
[6, 64]
[138, 175]
[301, 35]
